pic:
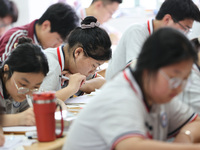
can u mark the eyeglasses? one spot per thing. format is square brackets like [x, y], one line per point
[186, 29]
[174, 82]
[24, 90]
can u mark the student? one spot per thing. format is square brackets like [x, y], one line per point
[88, 47]
[135, 109]
[20, 74]
[103, 11]
[178, 14]
[50, 30]
[8, 14]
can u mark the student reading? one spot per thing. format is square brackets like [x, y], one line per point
[135, 110]
[88, 47]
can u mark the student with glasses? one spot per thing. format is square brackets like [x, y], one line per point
[135, 110]
[88, 47]
[178, 14]
[21, 74]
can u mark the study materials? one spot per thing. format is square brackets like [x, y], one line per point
[16, 141]
[19, 129]
[78, 100]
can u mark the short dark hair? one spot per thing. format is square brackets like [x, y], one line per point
[95, 41]
[165, 47]
[108, 1]
[179, 9]
[63, 19]
[27, 57]
[8, 8]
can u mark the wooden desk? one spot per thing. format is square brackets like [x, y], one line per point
[54, 145]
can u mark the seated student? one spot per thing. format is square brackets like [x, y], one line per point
[50, 30]
[21, 74]
[8, 14]
[178, 14]
[135, 109]
[88, 47]
[103, 11]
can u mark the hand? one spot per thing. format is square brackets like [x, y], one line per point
[27, 117]
[2, 138]
[76, 81]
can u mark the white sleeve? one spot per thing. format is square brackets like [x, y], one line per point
[179, 114]
[52, 81]
[191, 94]
[128, 49]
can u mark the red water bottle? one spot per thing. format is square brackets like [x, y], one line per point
[44, 104]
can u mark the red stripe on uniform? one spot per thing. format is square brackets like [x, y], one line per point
[59, 58]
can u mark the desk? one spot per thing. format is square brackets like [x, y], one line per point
[54, 145]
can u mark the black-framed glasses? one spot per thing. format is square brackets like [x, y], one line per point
[24, 90]
[174, 82]
[186, 29]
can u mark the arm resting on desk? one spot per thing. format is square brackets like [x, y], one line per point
[92, 84]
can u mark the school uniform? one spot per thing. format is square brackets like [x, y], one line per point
[128, 47]
[10, 38]
[191, 93]
[10, 106]
[119, 112]
[56, 62]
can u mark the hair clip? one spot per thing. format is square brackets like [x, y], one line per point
[91, 25]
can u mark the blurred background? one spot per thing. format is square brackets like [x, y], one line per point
[129, 12]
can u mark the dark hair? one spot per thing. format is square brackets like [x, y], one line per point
[196, 43]
[108, 1]
[95, 41]
[62, 17]
[26, 57]
[164, 47]
[179, 10]
[8, 8]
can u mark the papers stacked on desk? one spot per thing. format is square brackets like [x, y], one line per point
[68, 118]
[16, 142]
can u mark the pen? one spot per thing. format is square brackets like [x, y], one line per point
[64, 77]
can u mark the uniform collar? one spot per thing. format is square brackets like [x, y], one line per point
[150, 26]
[61, 57]
[135, 87]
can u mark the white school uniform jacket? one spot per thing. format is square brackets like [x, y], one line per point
[119, 112]
[56, 61]
[191, 93]
[55, 57]
[8, 105]
[129, 47]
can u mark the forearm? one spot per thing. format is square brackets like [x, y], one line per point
[92, 84]
[132, 144]
[190, 133]
[64, 93]
[10, 120]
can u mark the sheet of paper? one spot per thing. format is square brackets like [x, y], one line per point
[20, 129]
[78, 100]
[16, 141]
